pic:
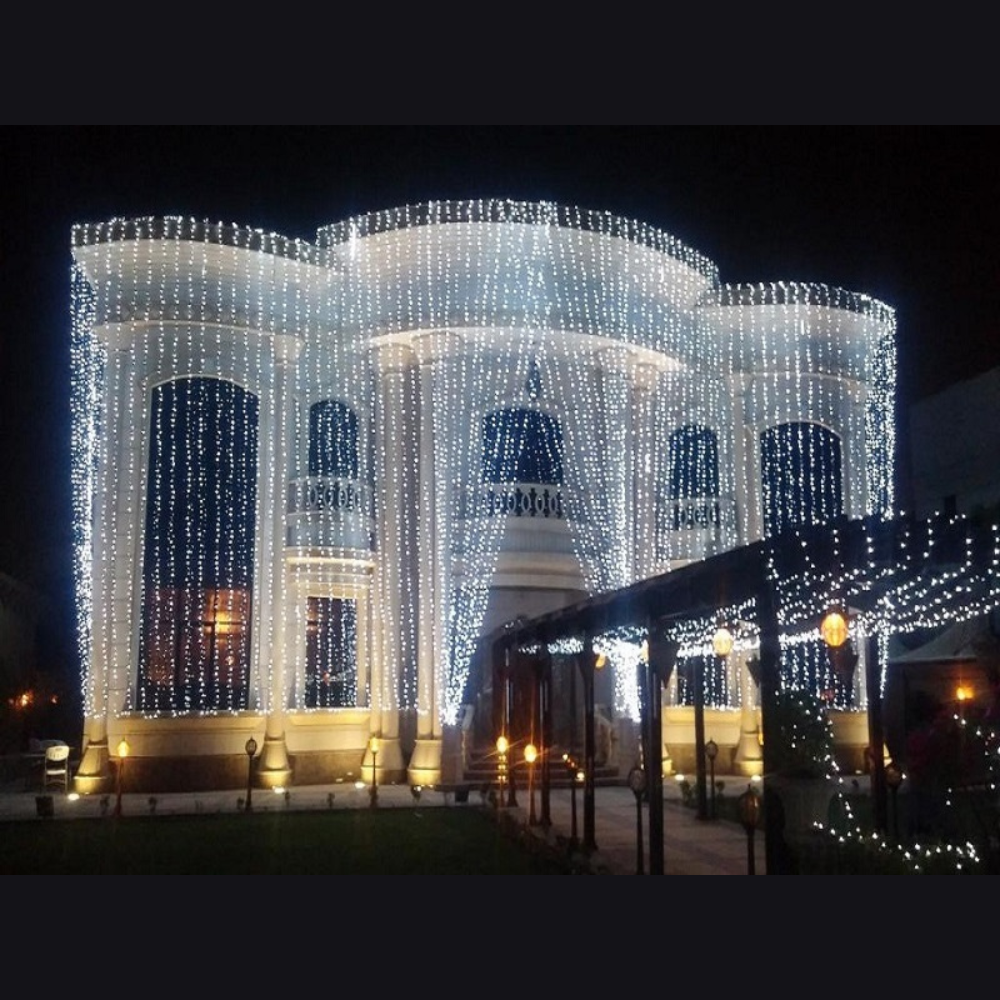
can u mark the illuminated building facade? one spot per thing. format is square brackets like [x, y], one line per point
[309, 475]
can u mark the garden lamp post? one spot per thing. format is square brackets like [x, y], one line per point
[123, 749]
[749, 809]
[711, 752]
[251, 748]
[530, 756]
[637, 782]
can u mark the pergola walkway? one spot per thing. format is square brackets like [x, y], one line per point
[899, 574]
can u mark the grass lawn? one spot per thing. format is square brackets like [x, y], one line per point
[419, 841]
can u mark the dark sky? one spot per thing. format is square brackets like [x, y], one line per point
[910, 217]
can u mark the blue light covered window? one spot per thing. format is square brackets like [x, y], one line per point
[801, 478]
[333, 440]
[331, 652]
[693, 463]
[522, 446]
[199, 544]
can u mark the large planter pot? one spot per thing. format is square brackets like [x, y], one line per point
[801, 801]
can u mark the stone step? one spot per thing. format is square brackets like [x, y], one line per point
[481, 770]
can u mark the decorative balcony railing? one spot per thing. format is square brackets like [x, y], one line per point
[695, 513]
[513, 499]
[315, 494]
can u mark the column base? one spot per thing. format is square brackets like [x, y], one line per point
[425, 763]
[93, 776]
[749, 757]
[273, 770]
[388, 761]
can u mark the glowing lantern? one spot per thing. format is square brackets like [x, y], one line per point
[834, 629]
[722, 641]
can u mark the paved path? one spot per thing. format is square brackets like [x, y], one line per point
[691, 846]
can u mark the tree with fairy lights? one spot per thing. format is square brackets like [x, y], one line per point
[803, 735]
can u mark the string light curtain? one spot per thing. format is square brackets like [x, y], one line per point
[431, 352]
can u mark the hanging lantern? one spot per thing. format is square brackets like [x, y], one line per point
[722, 641]
[834, 629]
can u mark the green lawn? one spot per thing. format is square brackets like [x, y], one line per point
[431, 841]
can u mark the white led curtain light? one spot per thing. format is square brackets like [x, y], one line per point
[275, 440]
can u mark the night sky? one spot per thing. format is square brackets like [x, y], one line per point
[910, 217]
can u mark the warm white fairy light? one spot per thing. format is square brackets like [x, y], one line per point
[623, 651]
[447, 348]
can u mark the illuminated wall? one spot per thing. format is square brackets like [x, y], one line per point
[423, 423]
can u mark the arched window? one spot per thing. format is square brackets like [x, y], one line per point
[800, 468]
[333, 440]
[331, 652]
[693, 460]
[522, 446]
[693, 476]
[198, 558]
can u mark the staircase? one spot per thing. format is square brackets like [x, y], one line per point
[481, 771]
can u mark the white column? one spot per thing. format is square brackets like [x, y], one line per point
[427, 585]
[854, 450]
[741, 474]
[276, 427]
[389, 605]
[645, 379]
[617, 450]
[112, 567]
[748, 491]
[749, 756]
[433, 566]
